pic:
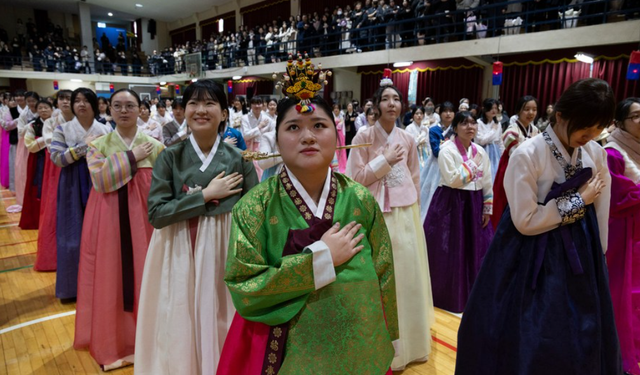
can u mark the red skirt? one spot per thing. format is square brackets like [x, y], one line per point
[102, 324]
[32, 199]
[46, 259]
[499, 195]
[245, 347]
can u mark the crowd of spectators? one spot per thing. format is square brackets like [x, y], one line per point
[383, 24]
[367, 26]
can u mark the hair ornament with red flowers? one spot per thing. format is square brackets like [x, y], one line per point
[302, 81]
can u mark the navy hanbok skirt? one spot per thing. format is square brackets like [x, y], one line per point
[541, 304]
[73, 192]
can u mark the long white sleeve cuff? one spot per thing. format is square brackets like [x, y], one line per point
[380, 166]
[323, 271]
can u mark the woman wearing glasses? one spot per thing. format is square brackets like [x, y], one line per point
[457, 230]
[623, 259]
[115, 237]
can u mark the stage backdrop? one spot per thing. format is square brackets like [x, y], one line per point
[546, 78]
[442, 80]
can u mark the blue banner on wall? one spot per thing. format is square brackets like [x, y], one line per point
[111, 34]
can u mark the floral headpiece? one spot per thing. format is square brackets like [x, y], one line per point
[386, 78]
[302, 82]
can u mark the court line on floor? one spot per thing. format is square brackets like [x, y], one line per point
[9, 225]
[18, 255]
[36, 321]
[445, 344]
[16, 269]
[18, 243]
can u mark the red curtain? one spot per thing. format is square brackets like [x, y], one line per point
[265, 12]
[545, 82]
[260, 87]
[451, 85]
[615, 72]
[441, 85]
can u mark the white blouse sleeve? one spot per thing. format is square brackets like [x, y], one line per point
[521, 188]
[453, 171]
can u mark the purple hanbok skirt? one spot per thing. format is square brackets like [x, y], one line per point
[457, 244]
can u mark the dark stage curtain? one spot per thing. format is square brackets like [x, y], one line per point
[545, 81]
[615, 72]
[260, 87]
[209, 26]
[451, 84]
[441, 84]
[183, 35]
[265, 12]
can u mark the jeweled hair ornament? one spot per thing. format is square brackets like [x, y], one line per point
[301, 81]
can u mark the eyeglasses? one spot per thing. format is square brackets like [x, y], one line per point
[635, 118]
[119, 107]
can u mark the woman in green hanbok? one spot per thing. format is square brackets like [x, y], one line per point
[310, 265]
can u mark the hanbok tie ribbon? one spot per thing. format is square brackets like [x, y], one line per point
[579, 179]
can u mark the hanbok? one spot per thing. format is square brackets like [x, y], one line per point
[11, 127]
[114, 245]
[430, 174]
[4, 150]
[22, 155]
[512, 138]
[151, 128]
[420, 134]
[185, 309]
[322, 319]
[270, 166]
[46, 257]
[456, 240]
[623, 254]
[68, 151]
[252, 134]
[489, 137]
[35, 144]
[396, 190]
[541, 303]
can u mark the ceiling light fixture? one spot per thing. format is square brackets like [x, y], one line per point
[402, 64]
[194, 80]
[162, 83]
[584, 58]
[76, 80]
[235, 78]
[138, 5]
[110, 14]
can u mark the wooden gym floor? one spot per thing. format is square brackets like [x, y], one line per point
[36, 330]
